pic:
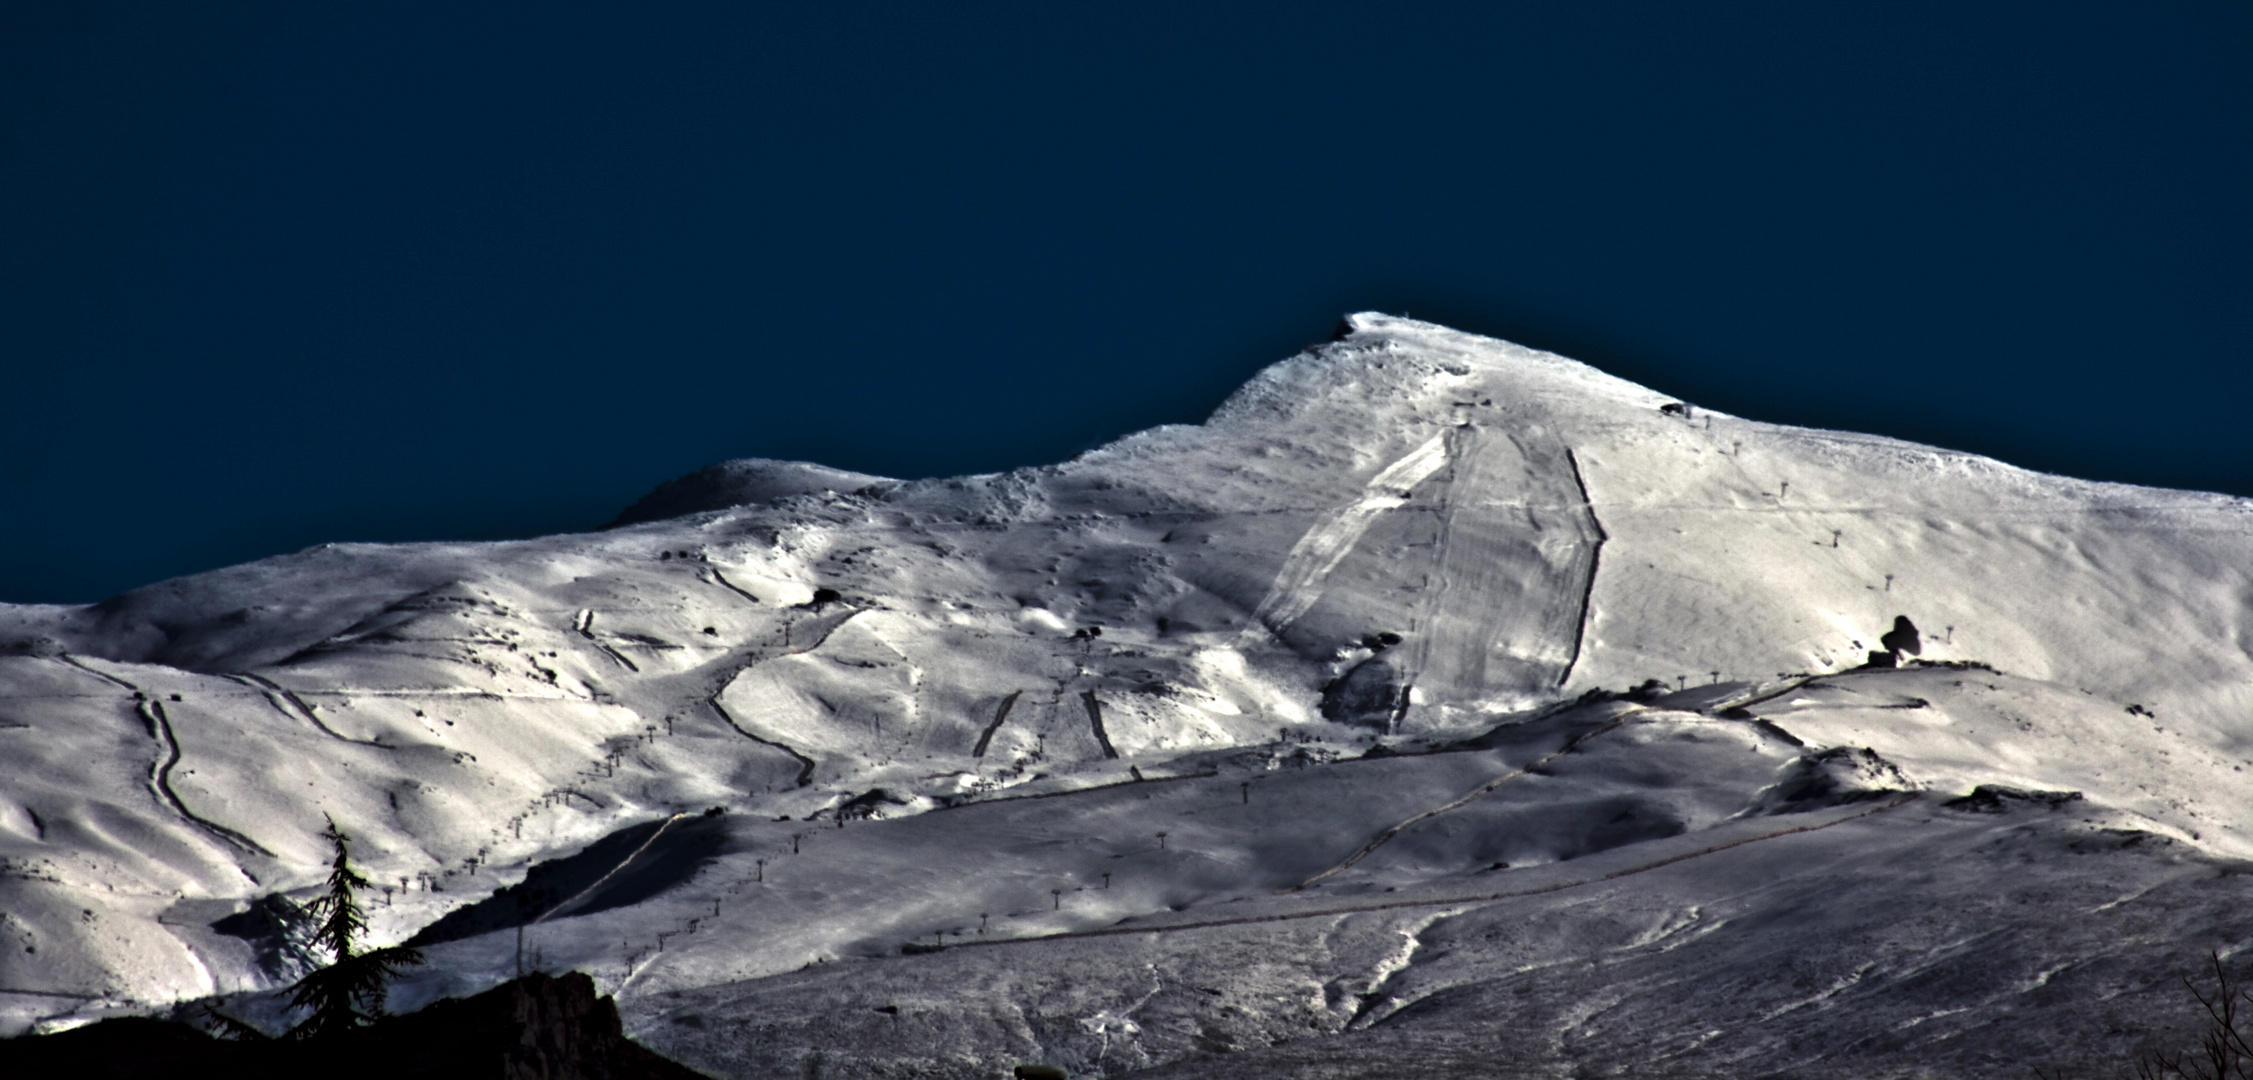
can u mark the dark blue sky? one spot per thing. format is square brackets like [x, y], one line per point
[279, 274]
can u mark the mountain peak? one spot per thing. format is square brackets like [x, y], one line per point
[740, 482]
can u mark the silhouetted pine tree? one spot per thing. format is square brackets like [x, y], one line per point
[349, 992]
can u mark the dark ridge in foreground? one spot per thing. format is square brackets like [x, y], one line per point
[539, 1027]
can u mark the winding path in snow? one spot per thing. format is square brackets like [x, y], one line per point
[276, 694]
[152, 715]
[806, 763]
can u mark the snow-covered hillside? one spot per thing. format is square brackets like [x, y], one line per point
[1303, 736]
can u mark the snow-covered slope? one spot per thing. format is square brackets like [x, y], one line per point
[1140, 692]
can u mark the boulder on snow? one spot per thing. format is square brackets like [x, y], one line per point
[1902, 638]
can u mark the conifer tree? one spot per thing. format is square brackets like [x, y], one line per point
[349, 992]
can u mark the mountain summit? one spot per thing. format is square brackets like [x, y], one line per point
[1437, 701]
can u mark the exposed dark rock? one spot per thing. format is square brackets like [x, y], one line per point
[1830, 777]
[1954, 665]
[866, 804]
[1370, 695]
[1998, 799]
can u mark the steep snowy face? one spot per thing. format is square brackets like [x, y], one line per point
[1407, 538]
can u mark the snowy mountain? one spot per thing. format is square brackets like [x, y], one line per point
[1438, 703]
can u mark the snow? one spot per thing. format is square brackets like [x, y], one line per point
[1045, 670]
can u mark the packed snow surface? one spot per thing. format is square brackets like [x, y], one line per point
[1438, 704]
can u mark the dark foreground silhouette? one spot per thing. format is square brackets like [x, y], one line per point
[539, 1027]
